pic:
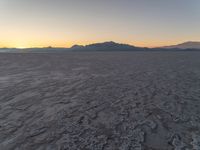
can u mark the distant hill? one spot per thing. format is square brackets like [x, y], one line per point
[186, 45]
[107, 46]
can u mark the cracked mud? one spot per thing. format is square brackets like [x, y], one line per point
[100, 101]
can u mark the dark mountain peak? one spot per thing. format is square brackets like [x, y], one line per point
[109, 42]
[103, 43]
[110, 45]
[77, 46]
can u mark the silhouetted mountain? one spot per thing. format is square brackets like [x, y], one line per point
[107, 46]
[186, 45]
[77, 47]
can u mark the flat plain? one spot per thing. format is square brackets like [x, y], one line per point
[100, 101]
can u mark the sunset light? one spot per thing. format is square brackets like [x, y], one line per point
[145, 23]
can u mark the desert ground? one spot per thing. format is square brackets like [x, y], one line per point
[100, 101]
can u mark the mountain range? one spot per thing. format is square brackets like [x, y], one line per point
[108, 46]
[119, 47]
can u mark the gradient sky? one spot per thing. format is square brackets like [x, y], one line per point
[62, 23]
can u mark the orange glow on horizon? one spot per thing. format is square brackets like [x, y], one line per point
[28, 24]
[70, 44]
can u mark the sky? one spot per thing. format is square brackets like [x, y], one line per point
[63, 23]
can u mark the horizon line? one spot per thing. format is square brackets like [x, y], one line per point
[49, 46]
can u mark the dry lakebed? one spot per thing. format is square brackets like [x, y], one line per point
[100, 101]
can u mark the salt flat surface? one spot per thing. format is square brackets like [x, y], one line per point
[100, 101]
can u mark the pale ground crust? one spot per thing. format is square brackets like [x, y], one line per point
[100, 101]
